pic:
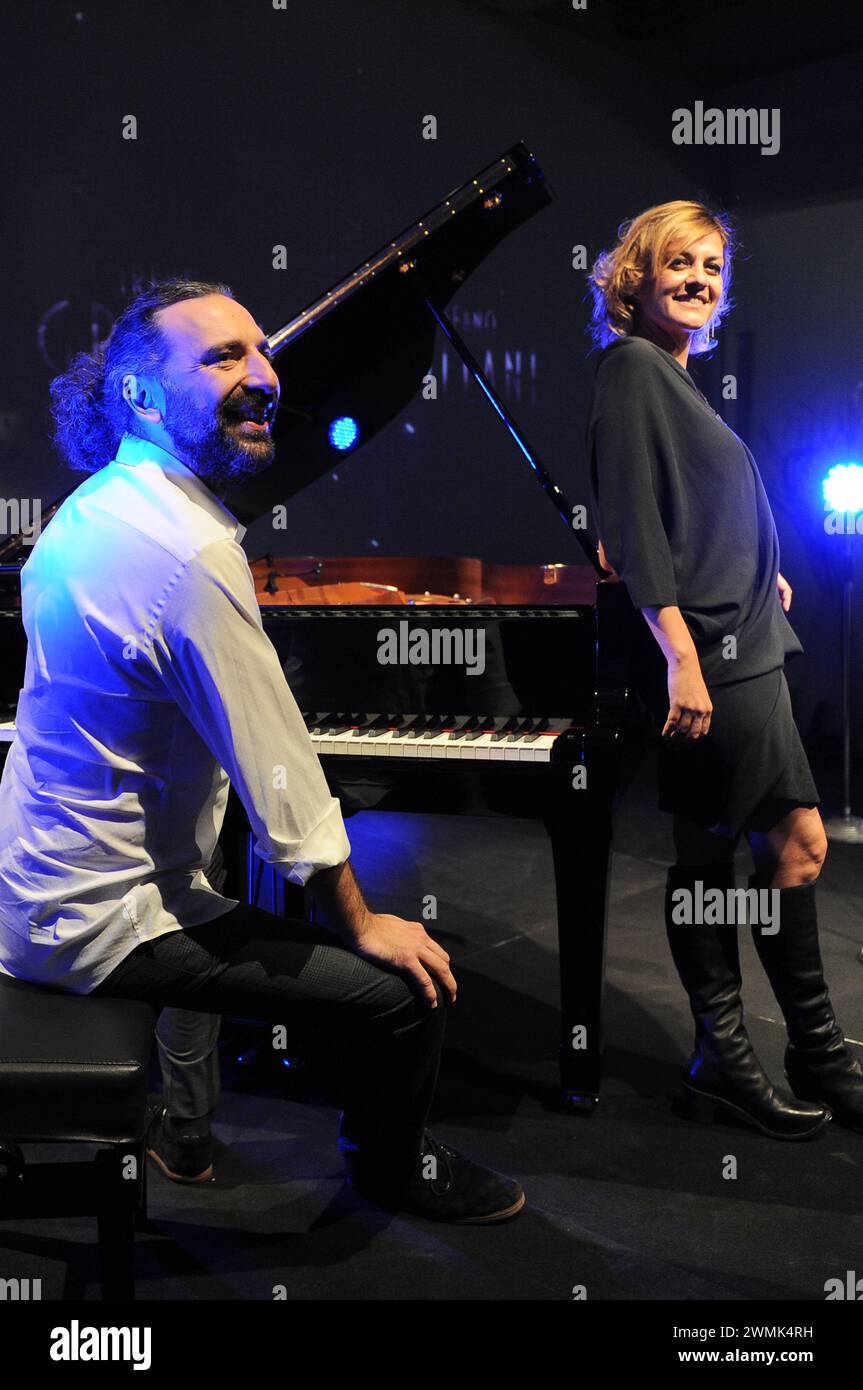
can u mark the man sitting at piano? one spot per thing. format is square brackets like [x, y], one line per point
[149, 684]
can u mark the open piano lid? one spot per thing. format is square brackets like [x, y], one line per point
[362, 349]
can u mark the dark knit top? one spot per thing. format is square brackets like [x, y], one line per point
[682, 511]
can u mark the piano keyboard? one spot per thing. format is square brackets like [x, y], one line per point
[464, 738]
[424, 737]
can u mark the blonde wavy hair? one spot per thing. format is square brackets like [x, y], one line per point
[618, 274]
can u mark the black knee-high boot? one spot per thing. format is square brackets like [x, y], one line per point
[724, 1074]
[818, 1063]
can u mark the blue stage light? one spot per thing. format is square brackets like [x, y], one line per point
[843, 495]
[343, 433]
[843, 487]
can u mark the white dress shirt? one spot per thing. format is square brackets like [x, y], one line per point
[149, 683]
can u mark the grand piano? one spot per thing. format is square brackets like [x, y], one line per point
[496, 689]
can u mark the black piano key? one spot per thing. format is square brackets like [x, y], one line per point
[418, 730]
[381, 724]
[336, 724]
[532, 733]
[413, 727]
[479, 725]
[437, 724]
[461, 725]
[317, 723]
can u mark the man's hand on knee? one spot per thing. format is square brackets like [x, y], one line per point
[379, 937]
[406, 947]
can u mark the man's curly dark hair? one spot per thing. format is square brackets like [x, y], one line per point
[90, 414]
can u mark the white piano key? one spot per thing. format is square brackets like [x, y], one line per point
[395, 745]
[382, 745]
[477, 749]
[436, 747]
[537, 749]
[542, 748]
[340, 743]
[374, 746]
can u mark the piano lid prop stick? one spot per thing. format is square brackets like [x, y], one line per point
[552, 490]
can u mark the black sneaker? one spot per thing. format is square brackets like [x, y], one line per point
[446, 1186]
[181, 1158]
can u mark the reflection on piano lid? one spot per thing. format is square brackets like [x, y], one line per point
[502, 667]
[416, 580]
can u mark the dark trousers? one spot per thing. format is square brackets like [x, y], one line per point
[384, 1042]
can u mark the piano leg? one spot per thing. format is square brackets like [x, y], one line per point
[581, 848]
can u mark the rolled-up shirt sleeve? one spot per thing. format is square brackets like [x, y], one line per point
[629, 444]
[222, 670]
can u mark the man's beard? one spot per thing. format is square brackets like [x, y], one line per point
[214, 447]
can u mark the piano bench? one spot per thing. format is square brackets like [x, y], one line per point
[74, 1069]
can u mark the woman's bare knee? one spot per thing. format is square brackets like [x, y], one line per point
[793, 853]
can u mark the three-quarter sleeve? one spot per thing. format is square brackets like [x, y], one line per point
[222, 670]
[630, 445]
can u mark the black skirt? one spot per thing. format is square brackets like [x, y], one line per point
[749, 771]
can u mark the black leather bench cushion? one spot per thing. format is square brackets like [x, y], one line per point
[72, 1067]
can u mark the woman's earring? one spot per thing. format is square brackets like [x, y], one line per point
[711, 336]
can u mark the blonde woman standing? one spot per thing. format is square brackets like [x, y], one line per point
[686, 525]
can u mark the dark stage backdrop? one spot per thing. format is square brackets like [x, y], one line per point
[303, 126]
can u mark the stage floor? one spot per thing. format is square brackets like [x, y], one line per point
[630, 1204]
